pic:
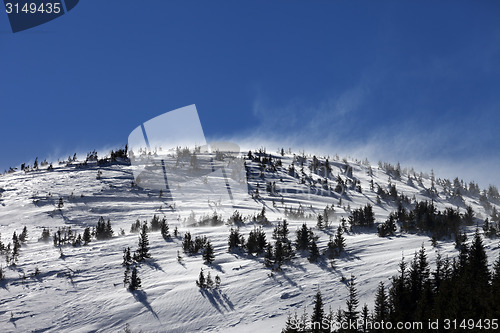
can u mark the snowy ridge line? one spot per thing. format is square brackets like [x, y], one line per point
[83, 290]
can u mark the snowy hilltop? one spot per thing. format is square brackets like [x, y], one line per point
[309, 239]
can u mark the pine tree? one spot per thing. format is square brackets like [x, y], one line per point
[318, 313]
[135, 281]
[86, 236]
[201, 280]
[339, 241]
[279, 254]
[209, 282]
[155, 223]
[477, 271]
[208, 254]
[187, 243]
[16, 245]
[351, 314]
[164, 229]
[236, 240]
[268, 257]
[365, 315]
[217, 281]
[314, 251]
[108, 231]
[331, 250]
[291, 324]
[495, 289]
[45, 236]
[126, 276]
[23, 235]
[381, 304]
[319, 222]
[303, 238]
[127, 258]
[143, 251]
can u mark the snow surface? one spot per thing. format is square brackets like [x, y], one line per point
[83, 291]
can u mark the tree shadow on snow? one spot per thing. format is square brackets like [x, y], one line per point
[218, 299]
[216, 267]
[153, 264]
[142, 297]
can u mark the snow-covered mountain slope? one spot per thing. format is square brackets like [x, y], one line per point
[82, 290]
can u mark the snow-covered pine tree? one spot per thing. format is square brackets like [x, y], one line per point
[208, 253]
[135, 281]
[143, 251]
[164, 229]
[126, 276]
[23, 235]
[314, 251]
[268, 257]
[201, 280]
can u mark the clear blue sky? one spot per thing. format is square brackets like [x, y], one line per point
[410, 81]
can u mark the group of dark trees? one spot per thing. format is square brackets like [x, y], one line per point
[362, 217]
[425, 218]
[65, 235]
[155, 225]
[206, 282]
[199, 243]
[132, 281]
[462, 288]
[11, 250]
[282, 250]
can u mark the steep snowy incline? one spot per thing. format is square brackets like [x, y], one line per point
[82, 290]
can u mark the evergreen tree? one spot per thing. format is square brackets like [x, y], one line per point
[187, 243]
[318, 313]
[155, 223]
[209, 281]
[331, 249]
[201, 280]
[319, 222]
[126, 276]
[143, 251]
[279, 253]
[399, 295]
[86, 236]
[127, 258]
[45, 236]
[108, 231]
[217, 281]
[164, 229]
[381, 304]
[365, 316]
[303, 238]
[291, 324]
[495, 290]
[23, 235]
[314, 252]
[208, 254]
[351, 314]
[477, 271]
[284, 229]
[135, 281]
[16, 245]
[339, 241]
[236, 240]
[268, 257]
